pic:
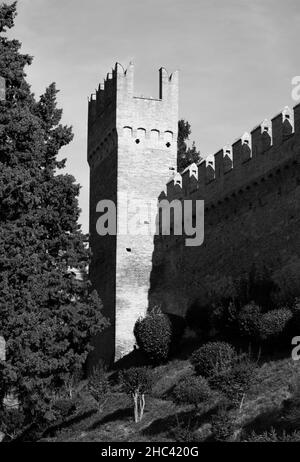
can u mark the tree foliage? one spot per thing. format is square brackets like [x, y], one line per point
[47, 315]
[192, 390]
[213, 358]
[153, 335]
[185, 155]
[136, 382]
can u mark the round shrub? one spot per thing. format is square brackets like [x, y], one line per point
[274, 324]
[213, 358]
[153, 335]
[249, 321]
[192, 390]
[235, 383]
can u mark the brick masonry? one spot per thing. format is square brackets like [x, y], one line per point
[251, 192]
[132, 148]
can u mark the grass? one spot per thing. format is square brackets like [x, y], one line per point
[262, 408]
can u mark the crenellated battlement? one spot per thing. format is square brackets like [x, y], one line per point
[116, 112]
[119, 85]
[269, 146]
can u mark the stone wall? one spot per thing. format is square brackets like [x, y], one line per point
[252, 215]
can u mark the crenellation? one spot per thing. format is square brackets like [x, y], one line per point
[266, 140]
[210, 169]
[219, 164]
[190, 179]
[297, 118]
[251, 156]
[227, 162]
[202, 175]
[236, 153]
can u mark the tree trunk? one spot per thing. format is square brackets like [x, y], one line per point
[136, 405]
[142, 406]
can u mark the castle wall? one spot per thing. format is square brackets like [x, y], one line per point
[251, 192]
[252, 216]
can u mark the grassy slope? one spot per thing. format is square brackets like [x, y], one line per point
[115, 423]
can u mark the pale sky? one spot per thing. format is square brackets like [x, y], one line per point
[236, 60]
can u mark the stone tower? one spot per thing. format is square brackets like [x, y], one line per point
[132, 151]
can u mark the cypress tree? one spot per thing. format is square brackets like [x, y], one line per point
[47, 315]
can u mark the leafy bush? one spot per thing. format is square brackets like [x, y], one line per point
[136, 382]
[99, 386]
[235, 383]
[136, 378]
[274, 324]
[249, 321]
[223, 425]
[272, 437]
[153, 335]
[192, 390]
[64, 407]
[213, 358]
[12, 422]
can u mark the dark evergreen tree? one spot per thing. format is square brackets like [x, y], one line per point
[185, 155]
[47, 315]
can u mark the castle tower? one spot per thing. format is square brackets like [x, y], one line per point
[132, 152]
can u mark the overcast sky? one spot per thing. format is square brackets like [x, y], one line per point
[236, 60]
